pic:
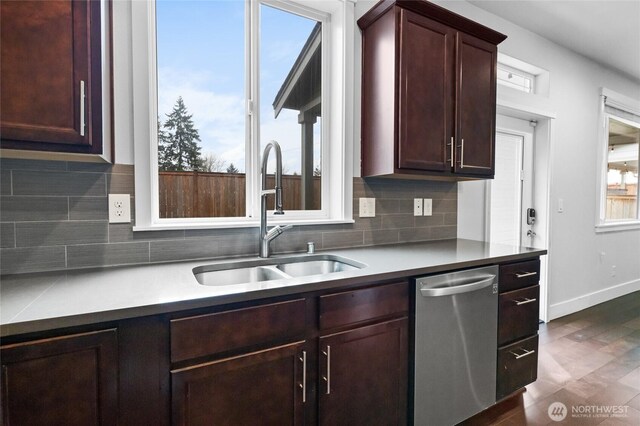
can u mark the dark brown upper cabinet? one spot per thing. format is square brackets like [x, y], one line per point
[428, 93]
[51, 76]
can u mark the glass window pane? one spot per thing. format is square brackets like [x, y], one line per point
[511, 78]
[201, 114]
[290, 102]
[622, 174]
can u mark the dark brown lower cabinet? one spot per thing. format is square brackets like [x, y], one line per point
[363, 375]
[260, 388]
[66, 381]
[517, 366]
[518, 313]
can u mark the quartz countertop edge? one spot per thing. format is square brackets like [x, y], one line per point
[45, 301]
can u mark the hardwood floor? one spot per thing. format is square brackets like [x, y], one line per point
[588, 361]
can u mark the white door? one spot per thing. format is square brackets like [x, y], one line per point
[510, 193]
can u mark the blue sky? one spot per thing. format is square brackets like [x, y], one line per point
[201, 58]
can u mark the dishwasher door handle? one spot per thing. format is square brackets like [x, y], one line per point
[458, 289]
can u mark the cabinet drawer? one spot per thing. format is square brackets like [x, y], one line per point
[518, 275]
[202, 335]
[517, 366]
[518, 314]
[356, 306]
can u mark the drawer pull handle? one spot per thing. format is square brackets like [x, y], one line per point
[303, 385]
[525, 274]
[526, 353]
[327, 378]
[525, 301]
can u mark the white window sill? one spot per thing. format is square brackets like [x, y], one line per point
[618, 226]
[239, 224]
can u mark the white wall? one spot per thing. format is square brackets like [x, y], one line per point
[577, 276]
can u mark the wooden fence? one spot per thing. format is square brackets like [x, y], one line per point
[200, 194]
[622, 202]
[621, 207]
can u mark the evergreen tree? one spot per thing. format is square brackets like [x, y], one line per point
[317, 171]
[232, 169]
[179, 149]
[164, 160]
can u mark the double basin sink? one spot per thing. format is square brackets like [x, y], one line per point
[251, 271]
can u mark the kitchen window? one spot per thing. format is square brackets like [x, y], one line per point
[218, 81]
[620, 153]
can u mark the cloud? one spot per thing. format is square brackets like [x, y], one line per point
[220, 118]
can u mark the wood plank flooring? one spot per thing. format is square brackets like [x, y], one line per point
[590, 362]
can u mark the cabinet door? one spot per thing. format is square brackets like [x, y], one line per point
[475, 105]
[68, 381]
[51, 89]
[363, 375]
[426, 92]
[261, 388]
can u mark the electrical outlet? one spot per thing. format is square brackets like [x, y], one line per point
[367, 207]
[417, 206]
[119, 208]
[428, 207]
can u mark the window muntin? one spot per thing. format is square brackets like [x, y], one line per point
[231, 101]
[623, 138]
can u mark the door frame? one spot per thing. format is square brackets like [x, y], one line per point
[542, 165]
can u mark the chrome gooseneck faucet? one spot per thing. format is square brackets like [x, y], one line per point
[266, 237]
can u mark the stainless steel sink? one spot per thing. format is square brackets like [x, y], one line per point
[314, 267]
[251, 271]
[238, 275]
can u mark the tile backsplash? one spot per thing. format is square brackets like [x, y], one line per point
[54, 216]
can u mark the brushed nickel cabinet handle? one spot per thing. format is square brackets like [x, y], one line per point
[525, 274]
[462, 153]
[303, 385]
[526, 353]
[525, 301]
[82, 100]
[451, 145]
[327, 378]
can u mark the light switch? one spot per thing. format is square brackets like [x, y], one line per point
[367, 207]
[428, 206]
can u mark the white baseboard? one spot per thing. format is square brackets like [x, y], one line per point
[567, 307]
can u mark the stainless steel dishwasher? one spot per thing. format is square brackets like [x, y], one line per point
[456, 319]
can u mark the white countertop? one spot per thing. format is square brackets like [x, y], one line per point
[38, 302]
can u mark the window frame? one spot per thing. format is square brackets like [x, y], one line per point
[337, 17]
[632, 106]
[524, 74]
